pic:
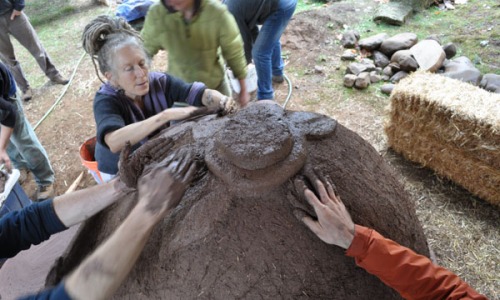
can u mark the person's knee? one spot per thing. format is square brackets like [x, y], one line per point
[259, 54]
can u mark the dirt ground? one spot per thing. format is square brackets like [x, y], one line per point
[462, 230]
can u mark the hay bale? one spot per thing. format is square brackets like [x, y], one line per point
[451, 127]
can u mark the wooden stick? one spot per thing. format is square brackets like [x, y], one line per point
[75, 183]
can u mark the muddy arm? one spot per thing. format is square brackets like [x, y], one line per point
[160, 191]
[215, 99]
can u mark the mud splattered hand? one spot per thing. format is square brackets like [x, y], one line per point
[334, 224]
[227, 106]
[162, 189]
[132, 165]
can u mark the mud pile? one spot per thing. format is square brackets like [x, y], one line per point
[234, 234]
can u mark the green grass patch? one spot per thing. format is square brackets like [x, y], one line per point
[44, 11]
[303, 5]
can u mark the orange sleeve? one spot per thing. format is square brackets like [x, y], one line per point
[412, 275]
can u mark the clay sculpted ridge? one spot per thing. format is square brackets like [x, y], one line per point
[234, 234]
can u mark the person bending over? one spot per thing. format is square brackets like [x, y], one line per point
[134, 103]
[100, 274]
[412, 275]
[263, 46]
[198, 36]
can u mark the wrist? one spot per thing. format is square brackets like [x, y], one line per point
[120, 189]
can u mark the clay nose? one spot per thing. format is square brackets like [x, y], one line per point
[255, 146]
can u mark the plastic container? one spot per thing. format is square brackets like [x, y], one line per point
[250, 80]
[13, 197]
[87, 150]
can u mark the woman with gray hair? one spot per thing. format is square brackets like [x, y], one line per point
[134, 103]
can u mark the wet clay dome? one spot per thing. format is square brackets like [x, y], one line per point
[234, 235]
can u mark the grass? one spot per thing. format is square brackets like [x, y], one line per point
[45, 11]
[303, 5]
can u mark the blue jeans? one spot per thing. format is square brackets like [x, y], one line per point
[266, 52]
[25, 150]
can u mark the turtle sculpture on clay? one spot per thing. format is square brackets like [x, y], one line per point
[234, 234]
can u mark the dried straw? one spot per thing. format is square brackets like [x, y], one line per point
[451, 127]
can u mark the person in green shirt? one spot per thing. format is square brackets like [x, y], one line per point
[198, 36]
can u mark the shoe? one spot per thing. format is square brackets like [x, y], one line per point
[278, 78]
[59, 79]
[27, 95]
[45, 192]
[23, 175]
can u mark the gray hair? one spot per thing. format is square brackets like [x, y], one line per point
[104, 35]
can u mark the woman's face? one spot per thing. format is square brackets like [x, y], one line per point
[130, 72]
[180, 5]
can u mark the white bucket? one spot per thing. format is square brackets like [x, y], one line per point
[250, 80]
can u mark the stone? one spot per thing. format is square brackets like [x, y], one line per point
[429, 55]
[356, 68]
[349, 80]
[349, 39]
[393, 13]
[380, 59]
[461, 68]
[491, 83]
[363, 81]
[450, 50]
[405, 60]
[387, 71]
[400, 41]
[374, 77]
[398, 76]
[373, 42]
[349, 55]
[367, 61]
[319, 69]
[395, 67]
[387, 88]
[484, 43]
[386, 78]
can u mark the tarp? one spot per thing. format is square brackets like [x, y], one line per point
[132, 10]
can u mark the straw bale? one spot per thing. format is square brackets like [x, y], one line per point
[451, 127]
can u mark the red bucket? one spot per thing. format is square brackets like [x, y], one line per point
[87, 150]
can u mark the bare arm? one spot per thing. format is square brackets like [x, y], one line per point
[413, 276]
[159, 192]
[5, 133]
[76, 207]
[244, 96]
[136, 132]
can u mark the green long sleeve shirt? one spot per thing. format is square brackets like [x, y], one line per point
[196, 48]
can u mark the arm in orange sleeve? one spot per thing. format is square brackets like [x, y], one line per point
[412, 275]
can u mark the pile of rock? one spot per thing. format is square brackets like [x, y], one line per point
[393, 58]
